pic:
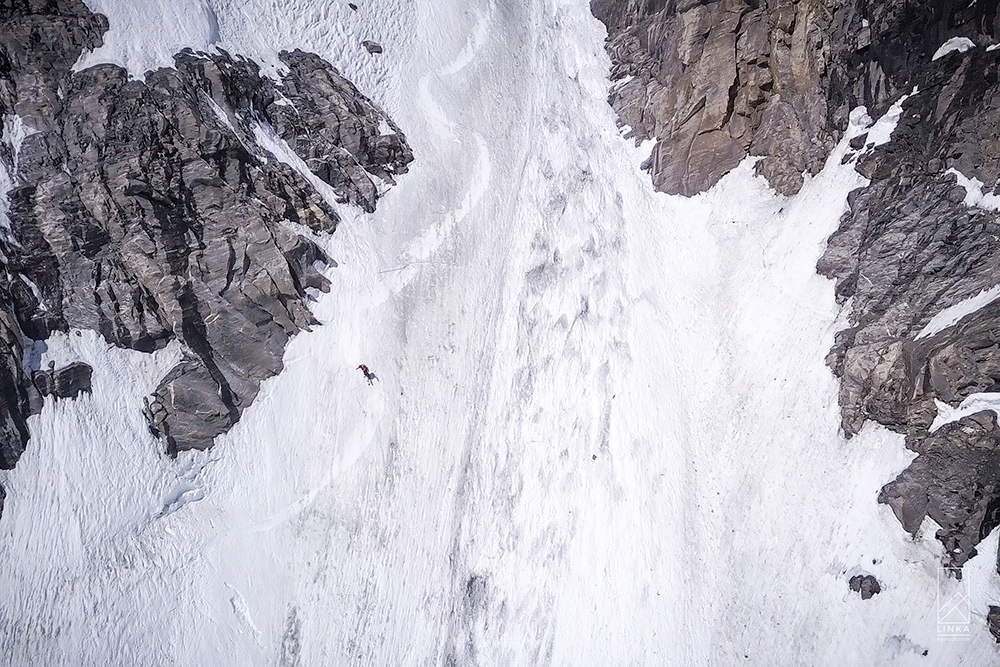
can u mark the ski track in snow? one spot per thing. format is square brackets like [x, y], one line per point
[605, 433]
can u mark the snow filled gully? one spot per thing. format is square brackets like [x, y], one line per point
[604, 432]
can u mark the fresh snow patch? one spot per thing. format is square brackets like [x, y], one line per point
[960, 44]
[35, 291]
[646, 147]
[269, 140]
[993, 47]
[6, 185]
[971, 405]
[881, 131]
[223, 117]
[954, 314]
[622, 82]
[974, 195]
[146, 35]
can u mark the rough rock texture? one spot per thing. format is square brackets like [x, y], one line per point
[715, 81]
[993, 622]
[150, 212]
[865, 584]
[67, 382]
[908, 248]
[956, 482]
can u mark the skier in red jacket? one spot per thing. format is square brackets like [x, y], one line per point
[371, 377]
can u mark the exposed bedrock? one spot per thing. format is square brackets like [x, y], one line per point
[149, 211]
[67, 382]
[956, 482]
[993, 622]
[713, 82]
[909, 248]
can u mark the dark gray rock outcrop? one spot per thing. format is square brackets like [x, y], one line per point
[153, 211]
[67, 382]
[865, 584]
[908, 248]
[955, 481]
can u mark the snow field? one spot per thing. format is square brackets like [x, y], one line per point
[605, 433]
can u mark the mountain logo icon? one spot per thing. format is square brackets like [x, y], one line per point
[954, 606]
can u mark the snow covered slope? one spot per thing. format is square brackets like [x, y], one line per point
[604, 432]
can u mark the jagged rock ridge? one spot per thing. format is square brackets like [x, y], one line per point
[147, 210]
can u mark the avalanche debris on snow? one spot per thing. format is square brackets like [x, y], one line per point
[572, 458]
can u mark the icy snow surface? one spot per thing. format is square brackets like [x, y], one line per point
[604, 435]
[960, 44]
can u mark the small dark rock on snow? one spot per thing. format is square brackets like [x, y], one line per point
[993, 621]
[373, 47]
[866, 584]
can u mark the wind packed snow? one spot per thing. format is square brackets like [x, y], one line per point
[604, 434]
[959, 44]
[145, 35]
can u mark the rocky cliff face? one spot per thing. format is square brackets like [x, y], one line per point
[909, 248]
[149, 211]
[715, 81]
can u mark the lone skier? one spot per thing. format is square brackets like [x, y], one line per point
[371, 377]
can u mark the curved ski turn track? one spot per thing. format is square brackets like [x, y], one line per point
[604, 432]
